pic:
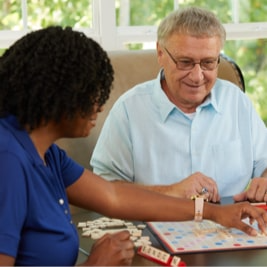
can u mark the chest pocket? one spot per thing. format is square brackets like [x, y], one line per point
[230, 161]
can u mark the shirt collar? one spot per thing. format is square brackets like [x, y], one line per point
[211, 100]
[166, 107]
[164, 104]
[11, 124]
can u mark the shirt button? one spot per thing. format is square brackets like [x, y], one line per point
[66, 211]
[61, 201]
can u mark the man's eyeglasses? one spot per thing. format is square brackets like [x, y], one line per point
[188, 64]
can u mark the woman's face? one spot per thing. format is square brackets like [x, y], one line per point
[80, 126]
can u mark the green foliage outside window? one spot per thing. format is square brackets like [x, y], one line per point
[249, 54]
[42, 13]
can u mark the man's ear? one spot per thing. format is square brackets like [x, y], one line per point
[159, 54]
[159, 49]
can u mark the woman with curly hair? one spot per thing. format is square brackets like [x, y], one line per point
[53, 83]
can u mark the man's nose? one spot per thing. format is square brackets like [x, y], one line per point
[196, 73]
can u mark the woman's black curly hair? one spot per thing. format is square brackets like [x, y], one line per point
[53, 73]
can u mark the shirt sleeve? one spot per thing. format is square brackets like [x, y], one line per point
[71, 170]
[107, 161]
[259, 133]
[13, 203]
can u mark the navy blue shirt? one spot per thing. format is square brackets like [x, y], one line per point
[35, 226]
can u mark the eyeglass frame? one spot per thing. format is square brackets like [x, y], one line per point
[192, 62]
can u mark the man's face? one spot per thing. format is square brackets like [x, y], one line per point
[188, 88]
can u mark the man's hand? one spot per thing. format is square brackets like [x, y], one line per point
[196, 184]
[256, 192]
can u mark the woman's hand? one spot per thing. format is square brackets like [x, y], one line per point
[112, 250]
[232, 216]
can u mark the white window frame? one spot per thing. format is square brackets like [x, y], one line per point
[111, 37]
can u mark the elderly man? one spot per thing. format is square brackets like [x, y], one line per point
[186, 132]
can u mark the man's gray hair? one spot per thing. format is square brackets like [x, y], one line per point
[193, 21]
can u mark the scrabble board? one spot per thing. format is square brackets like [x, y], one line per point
[191, 236]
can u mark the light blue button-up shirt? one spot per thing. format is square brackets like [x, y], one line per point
[146, 139]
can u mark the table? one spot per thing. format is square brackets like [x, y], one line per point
[251, 257]
[86, 243]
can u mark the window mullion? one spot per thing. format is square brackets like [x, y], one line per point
[24, 13]
[235, 11]
[107, 24]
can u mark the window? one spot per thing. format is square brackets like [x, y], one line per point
[118, 23]
[132, 24]
[19, 17]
